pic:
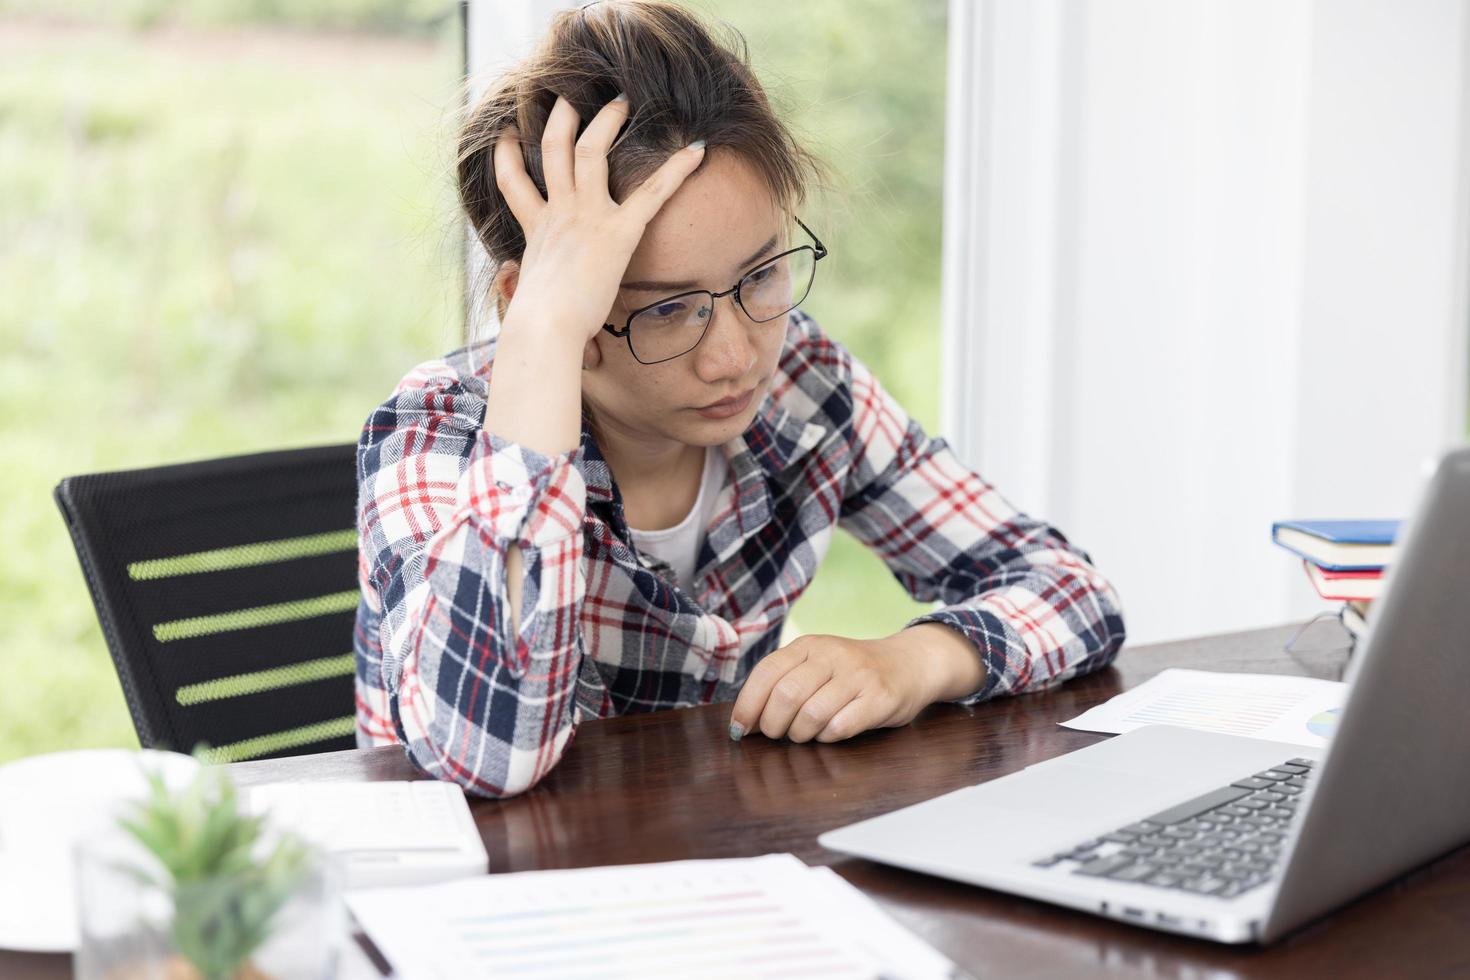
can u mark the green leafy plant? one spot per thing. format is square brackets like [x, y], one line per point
[226, 888]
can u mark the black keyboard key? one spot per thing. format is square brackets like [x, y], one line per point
[1120, 837]
[1134, 872]
[1274, 776]
[1198, 805]
[1142, 827]
[1251, 782]
[1103, 865]
[1304, 763]
[1203, 885]
[1292, 768]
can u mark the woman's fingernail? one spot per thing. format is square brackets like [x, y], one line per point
[697, 145]
[736, 730]
[621, 97]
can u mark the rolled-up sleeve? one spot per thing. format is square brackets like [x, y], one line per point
[1033, 605]
[440, 502]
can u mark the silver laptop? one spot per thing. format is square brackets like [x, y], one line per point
[1237, 839]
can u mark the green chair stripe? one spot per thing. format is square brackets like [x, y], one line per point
[265, 680]
[240, 556]
[240, 619]
[250, 748]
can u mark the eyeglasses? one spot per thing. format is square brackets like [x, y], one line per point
[673, 327]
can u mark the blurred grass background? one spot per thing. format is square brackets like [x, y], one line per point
[228, 226]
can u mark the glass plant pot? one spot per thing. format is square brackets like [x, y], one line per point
[135, 924]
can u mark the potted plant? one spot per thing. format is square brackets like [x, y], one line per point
[195, 888]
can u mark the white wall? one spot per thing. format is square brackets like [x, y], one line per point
[1205, 268]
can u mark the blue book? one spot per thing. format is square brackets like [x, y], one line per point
[1340, 546]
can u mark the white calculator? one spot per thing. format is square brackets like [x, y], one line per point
[392, 833]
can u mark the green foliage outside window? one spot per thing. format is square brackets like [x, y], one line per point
[228, 226]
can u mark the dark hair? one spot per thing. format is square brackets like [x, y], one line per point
[682, 85]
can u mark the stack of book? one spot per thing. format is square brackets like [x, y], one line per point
[1344, 559]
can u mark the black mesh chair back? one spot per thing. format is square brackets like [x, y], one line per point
[227, 592]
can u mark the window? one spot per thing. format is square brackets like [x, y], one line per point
[220, 235]
[863, 83]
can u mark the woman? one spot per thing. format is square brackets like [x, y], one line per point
[612, 505]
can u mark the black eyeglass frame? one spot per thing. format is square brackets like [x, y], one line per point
[818, 250]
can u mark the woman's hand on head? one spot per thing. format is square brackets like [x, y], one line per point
[578, 239]
[829, 688]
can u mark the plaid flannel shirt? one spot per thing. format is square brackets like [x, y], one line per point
[602, 629]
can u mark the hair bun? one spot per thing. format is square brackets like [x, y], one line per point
[682, 84]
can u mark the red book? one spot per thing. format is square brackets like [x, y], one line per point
[1345, 585]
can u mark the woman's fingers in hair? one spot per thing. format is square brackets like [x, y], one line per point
[593, 146]
[520, 191]
[556, 148]
[644, 202]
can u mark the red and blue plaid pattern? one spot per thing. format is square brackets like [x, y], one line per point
[603, 632]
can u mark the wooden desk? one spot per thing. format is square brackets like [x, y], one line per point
[672, 785]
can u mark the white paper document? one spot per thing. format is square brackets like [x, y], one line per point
[385, 833]
[1277, 707]
[769, 916]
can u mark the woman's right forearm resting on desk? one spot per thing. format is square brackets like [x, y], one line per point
[479, 626]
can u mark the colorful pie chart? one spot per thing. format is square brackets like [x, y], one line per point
[1324, 723]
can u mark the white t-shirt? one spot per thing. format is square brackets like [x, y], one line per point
[679, 545]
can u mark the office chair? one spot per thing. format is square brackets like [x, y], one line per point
[227, 592]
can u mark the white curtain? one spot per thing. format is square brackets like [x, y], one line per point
[1206, 267]
[497, 33]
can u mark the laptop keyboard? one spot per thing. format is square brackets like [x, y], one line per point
[1222, 843]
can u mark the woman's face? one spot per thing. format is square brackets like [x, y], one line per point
[717, 226]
